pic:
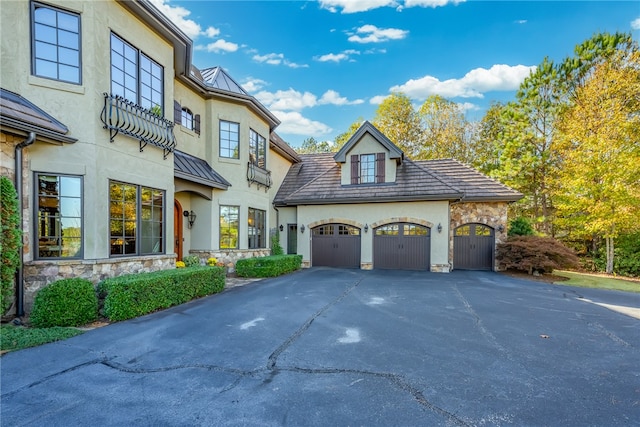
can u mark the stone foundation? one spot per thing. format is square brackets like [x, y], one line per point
[229, 257]
[440, 268]
[366, 266]
[38, 274]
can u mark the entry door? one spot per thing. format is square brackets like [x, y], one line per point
[473, 246]
[335, 245]
[292, 239]
[177, 229]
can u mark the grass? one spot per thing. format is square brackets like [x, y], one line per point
[597, 281]
[19, 337]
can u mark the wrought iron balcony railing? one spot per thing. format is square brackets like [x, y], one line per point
[122, 116]
[257, 175]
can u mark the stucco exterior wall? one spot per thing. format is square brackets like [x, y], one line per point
[377, 214]
[368, 145]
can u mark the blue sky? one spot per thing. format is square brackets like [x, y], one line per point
[321, 65]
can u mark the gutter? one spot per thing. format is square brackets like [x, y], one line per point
[18, 182]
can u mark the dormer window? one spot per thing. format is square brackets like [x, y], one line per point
[367, 168]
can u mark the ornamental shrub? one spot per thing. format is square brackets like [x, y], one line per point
[520, 227]
[66, 302]
[535, 254]
[269, 266]
[10, 241]
[276, 248]
[133, 295]
[191, 260]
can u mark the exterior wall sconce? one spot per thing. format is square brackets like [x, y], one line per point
[191, 217]
[501, 228]
[302, 228]
[281, 227]
[366, 228]
[439, 228]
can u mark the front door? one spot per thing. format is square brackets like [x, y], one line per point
[177, 229]
[292, 239]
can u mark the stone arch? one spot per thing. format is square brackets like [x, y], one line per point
[336, 221]
[392, 220]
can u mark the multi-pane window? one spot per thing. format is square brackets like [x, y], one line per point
[367, 168]
[59, 216]
[136, 77]
[136, 219]
[229, 139]
[55, 44]
[257, 149]
[256, 233]
[229, 222]
[186, 119]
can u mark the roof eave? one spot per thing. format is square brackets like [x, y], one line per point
[20, 128]
[198, 180]
[360, 200]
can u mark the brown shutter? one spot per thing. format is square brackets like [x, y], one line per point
[355, 169]
[177, 112]
[380, 168]
[196, 124]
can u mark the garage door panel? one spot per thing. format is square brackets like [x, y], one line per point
[473, 247]
[335, 245]
[403, 246]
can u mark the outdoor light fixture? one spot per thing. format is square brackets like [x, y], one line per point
[501, 228]
[191, 217]
[366, 228]
[281, 227]
[439, 228]
[302, 228]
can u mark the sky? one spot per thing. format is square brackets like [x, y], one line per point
[319, 66]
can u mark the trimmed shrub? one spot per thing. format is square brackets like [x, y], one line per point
[535, 254]
[276, 248]
[191, 261]
[134, 295]
[520, 227]
[66, 302]
[10, 241]
[269, 266]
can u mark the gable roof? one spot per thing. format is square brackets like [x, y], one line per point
[20, 114]
[197, 170]
[366, 127]
[281, 147]
[310, 167]
[475, 185]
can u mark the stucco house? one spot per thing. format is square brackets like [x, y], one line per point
[368, 206]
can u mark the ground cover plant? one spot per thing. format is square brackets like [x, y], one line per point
[598, 281]
[18, 337]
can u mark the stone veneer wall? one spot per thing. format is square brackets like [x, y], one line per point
[38, 274]
[492, 214]
[230, 256]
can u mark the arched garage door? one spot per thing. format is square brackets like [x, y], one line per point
[335, 245]
[402, 246]
[473, 247]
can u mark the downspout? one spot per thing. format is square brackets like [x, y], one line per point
[18, 179]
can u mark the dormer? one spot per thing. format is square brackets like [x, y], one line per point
[368, 158]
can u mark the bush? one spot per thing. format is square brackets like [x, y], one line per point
[10, 241]
[276, 248]
[134, 295]
[535, 254]
[191, 261]
[520, 227]
[269, 266]
[66, 302]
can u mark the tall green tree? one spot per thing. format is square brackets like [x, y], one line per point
[599, 181]
[345, 136]
[312, 145]
[487, 139]
[397, 119]
[445, 131]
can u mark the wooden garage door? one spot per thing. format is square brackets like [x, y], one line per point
[473, 246]
[335, 245]
[402, 246]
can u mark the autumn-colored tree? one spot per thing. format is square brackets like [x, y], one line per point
[445, 131]
[397, 120]
[345, 136]
[599, 181]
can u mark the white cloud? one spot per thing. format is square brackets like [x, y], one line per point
[178, 15]
[474, 84]
[378, 99]
[212, 32]
[521, 21]
[635, 24]
[354, 6]
[430, 3]
[332, 97]
[468, 106]
[345, 55]
[287, 100]
[253, 85]
[219, 45]
[371, 34]
[277, 59]
[292, 122]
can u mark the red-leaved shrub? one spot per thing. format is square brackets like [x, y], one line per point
[535, 254]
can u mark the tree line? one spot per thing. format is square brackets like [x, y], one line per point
[569, 141]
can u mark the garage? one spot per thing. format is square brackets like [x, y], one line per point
[473, 246]
[335, 245]
[402, 246]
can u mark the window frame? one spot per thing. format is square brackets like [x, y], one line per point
[259, 218]
[235, 152]
[37, 223]
[237, 227]
[257, 143]
[187, 118]
[139, 235]
[368, 166]
[34, 43]
[140, 85]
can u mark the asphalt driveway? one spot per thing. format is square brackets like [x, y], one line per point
[327, 347]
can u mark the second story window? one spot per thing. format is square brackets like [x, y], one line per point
[229, 139]
[187, 118]
[367, 168]
[257, 149]
[136, 77]
[55, 44]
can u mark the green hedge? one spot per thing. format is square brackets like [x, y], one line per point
[10, 241]
[269, 266]
[134, 295]
[66, 302]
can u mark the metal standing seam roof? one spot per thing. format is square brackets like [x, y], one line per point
[218, 78]
[197, 170]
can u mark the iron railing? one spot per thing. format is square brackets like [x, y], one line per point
[257, 175]
[122, 116]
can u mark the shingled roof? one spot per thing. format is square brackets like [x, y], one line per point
[316, 180]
